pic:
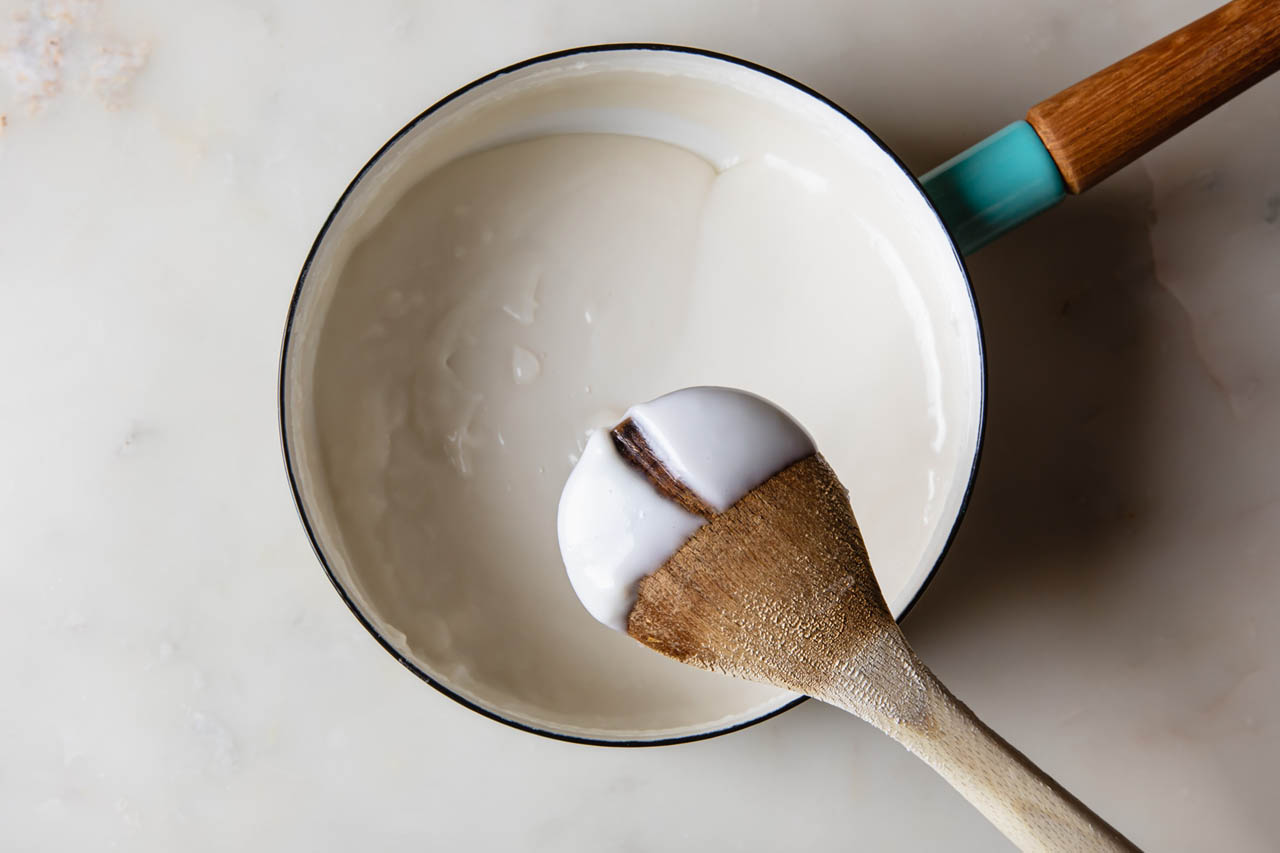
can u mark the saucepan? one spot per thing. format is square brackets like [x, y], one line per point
[427, 486]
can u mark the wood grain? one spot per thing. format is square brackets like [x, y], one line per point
[1106, 121]
[779, 589]
[633, 446]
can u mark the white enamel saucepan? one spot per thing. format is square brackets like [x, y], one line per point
[881, 356]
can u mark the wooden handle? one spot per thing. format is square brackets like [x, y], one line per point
[889, 687]
[1108, 120]
[1029, 807]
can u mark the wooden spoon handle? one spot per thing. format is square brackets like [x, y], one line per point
[1029, 807]
[889, 687]
[1108, 120]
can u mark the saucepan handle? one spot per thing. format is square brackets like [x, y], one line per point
[1081, 135]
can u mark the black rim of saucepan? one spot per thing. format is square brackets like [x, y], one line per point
[302, 277]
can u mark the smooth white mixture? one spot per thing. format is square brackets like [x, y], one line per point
[613, 525]
[518, 299]
[563, 241]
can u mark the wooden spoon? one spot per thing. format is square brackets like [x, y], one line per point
[778, 589]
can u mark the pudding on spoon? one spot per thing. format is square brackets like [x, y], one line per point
[641, 489]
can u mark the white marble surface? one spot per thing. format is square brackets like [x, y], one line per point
[178, 674]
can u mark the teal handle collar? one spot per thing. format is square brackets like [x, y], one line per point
[997, 184]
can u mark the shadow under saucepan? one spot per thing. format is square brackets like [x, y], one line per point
[1064, 470]
[1066, 303]
[1026, 601]
[1074, 609]
[1097, 605]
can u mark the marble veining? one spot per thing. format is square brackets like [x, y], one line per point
[56, 45]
